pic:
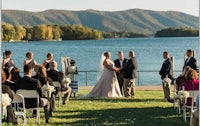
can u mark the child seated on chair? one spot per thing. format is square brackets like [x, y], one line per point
[72, 70]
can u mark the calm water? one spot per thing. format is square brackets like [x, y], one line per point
[87, 53]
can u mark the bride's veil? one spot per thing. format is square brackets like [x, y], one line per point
[101, 67]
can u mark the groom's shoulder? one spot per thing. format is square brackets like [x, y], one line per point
[116, 60]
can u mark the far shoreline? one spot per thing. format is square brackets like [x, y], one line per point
[25, 41]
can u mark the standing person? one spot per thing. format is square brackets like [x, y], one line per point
[107, 84]
[72, 70]
[130, 75]
[47, 62]
[7, 61]
[190, 61]
[30, 60]
[119, 63]
[166, 74]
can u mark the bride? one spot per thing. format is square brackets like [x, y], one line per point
[107, 85]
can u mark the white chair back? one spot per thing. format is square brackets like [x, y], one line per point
[31, 94]
[28, 93]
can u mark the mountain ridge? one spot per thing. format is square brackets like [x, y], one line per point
[132, 20]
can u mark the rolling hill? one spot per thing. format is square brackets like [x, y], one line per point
[134, 20]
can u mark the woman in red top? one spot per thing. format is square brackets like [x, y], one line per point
[192, 82]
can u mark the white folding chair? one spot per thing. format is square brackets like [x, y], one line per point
[31, 94]
[189, 103]
[19, 111]
[57, 85]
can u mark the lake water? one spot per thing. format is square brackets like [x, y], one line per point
[87, 54]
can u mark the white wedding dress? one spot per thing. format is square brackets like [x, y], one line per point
[107, 85]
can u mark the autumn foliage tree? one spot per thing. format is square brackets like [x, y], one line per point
[48, 32]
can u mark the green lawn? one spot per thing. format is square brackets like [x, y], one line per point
[148, 108]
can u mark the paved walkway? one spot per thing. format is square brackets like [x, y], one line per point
[146, 87]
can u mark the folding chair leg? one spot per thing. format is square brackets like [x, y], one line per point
[184, 115]
[38, 117]
[24, 121]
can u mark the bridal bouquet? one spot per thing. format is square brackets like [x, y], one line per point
[6, 101]
[47, 90]
[66, 80]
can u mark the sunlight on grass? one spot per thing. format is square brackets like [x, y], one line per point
[148, 108]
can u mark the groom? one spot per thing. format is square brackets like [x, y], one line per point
[119, 63]
[130, 75]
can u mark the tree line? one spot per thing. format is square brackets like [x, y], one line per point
[123, 35]
[48, 32]
[177, 32]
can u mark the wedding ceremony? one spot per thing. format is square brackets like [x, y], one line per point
[100, 63]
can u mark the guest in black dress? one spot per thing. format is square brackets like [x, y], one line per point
[7, 61]
[30, 60]
[8, 81]
[5, 89]
[15, 74]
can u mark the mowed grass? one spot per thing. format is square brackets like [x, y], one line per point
[148, 108]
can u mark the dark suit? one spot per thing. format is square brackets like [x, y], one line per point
[29, 83]
[58, 76]
[192, 63]
[166, 69]
[130, 74]
[120, 74]
[55, 75]
[130, 69]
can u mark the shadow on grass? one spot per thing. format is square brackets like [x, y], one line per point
[155, 116]
[120, 99]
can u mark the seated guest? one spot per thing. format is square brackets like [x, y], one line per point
[15, 73]
[41, 74]
[55, 75]
[47, 62]
[7, 61]
[182, 78]
[5, 89]
[29, 83]
[192, 82]
[8, 81]
[30, 60]
[195, 116]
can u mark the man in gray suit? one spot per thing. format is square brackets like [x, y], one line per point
[130, 75]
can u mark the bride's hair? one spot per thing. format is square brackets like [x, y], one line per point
[106, 54]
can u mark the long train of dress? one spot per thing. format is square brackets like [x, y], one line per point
[107, 85]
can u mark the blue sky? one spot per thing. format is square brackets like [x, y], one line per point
[186, 6]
